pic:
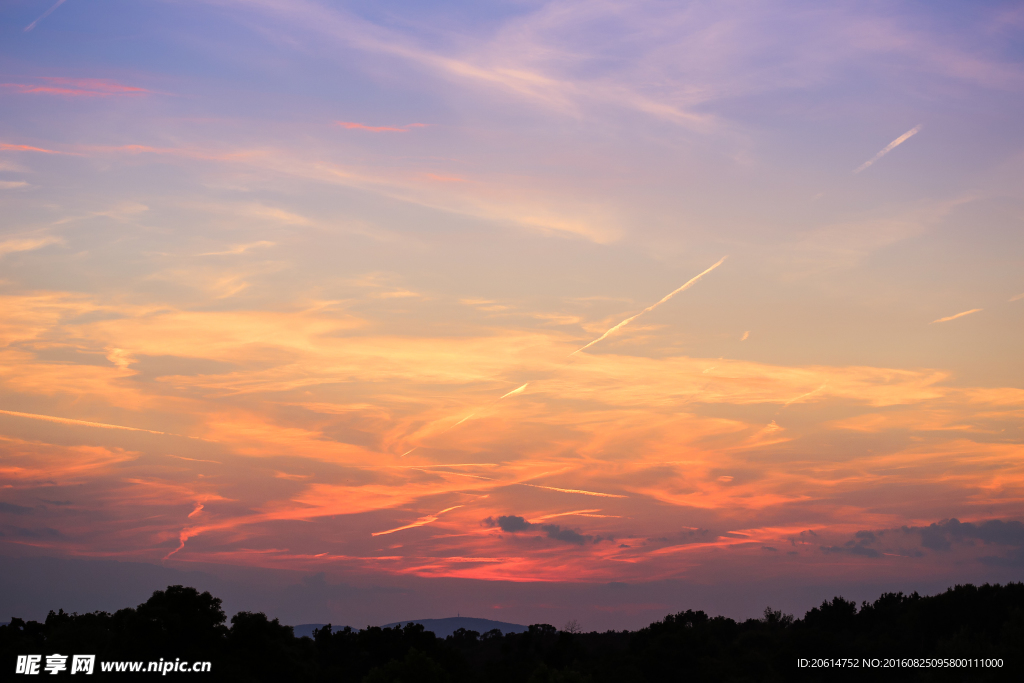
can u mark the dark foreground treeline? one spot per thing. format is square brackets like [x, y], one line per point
[967, 622]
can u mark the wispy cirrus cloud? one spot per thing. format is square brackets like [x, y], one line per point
[8, 147]
[490, 200]
[240, 249]
[17, 244]
[499, 65]
[691, 57]
[309, 387]
[619, 428]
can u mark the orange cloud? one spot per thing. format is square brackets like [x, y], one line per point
[307, 409]
[27, 461]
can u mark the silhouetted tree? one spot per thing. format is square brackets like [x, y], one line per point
[965, 622]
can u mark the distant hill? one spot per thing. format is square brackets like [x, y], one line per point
[443, 628]
[307, 629]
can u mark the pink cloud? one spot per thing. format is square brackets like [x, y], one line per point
[209, 155]
[75, 87]
[445, 178]
[379, 129]
[6, 147]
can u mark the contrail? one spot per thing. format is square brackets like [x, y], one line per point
[809, 393]
[45, 14]
[101, 425]
[563, 514]
[419, 522]
[625, 322]
[585, 493]
[457, 474]
[181, 457]
[65, 420]
[888, 148]
[954, 317]
[518, 390]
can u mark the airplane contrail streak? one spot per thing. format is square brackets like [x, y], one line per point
[585, 493]
[809, 393]
[888, 148]
[69, 421]
[44, 15]
[692, 281]
[625, 322]
[181, 457]
[518, 390]
[456, 474]
[419, 522]
[515, 391]
[954, 317]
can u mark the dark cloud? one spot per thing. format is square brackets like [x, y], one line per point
[514, 523]
[804, 537]
[993, 531]
[769, 549]
[12, 509]
[509, 523]
[857, 546]
[941, 536]
[933, 537]
[565, 535]
[43, 532]
[851, 550]
[1015, 558]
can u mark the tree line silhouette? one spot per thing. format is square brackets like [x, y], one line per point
[967, 622]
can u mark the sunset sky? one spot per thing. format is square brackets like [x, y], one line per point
[295, 295]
